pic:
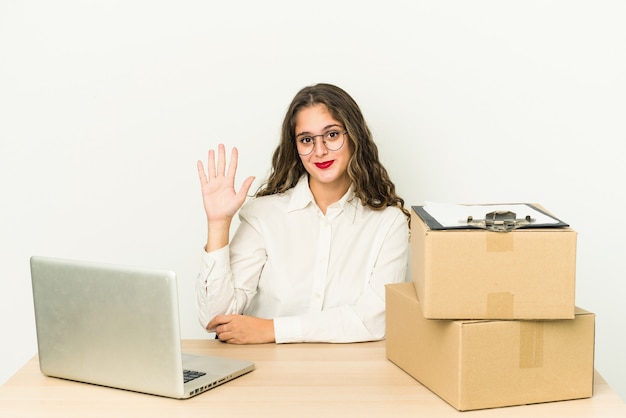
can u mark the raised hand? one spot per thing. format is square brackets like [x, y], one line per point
[221, 200]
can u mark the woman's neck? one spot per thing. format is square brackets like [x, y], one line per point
[326, 194]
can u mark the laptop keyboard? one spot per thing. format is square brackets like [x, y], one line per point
[189, 375]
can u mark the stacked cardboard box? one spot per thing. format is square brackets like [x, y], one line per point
[489, 319]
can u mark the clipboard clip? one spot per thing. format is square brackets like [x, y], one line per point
[500, 221]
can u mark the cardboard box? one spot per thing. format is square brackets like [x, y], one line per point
[490, 363]
[479, 274]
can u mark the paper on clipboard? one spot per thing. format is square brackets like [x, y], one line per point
[456, 215]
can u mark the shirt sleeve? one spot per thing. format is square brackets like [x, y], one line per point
[217, 292]
[213, 269]
[365, 319]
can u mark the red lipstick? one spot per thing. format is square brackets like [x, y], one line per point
[324, 164]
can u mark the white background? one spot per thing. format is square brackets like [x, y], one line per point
[105, 106]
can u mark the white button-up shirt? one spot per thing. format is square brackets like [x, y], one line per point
[321, 278]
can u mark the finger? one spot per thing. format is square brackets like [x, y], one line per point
[211, 164]
[221, 160]
[245, 187]
[201, 173]
[217, 321]
[224, 337]
[213, 324]
[223, 334]
[234, 157]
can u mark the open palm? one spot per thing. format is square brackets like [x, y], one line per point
[221, 200]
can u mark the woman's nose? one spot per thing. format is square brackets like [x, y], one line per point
[319, 148]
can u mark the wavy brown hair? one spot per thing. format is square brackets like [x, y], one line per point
[372, 184]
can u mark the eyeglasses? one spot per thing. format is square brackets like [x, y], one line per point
[333, 140]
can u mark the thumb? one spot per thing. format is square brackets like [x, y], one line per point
[245, 187]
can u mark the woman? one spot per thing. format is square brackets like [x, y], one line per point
[316, 246]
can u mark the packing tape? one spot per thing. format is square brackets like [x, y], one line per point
[530, 344]
[500, 305]
[499, 242]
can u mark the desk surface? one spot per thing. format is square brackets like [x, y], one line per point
[301, 380]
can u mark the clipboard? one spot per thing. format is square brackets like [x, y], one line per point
[496, 220]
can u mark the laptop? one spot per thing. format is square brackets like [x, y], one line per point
[118, 326]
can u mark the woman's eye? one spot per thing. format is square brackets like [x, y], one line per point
[306, 140]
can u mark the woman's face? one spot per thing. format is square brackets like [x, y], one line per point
[326, 168]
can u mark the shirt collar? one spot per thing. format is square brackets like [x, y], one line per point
[301, 197]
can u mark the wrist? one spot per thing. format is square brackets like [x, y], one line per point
[218, 234]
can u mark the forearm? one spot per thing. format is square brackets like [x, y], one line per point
[218, 235]
[226, 286]
[336, 325]
[215, 293]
